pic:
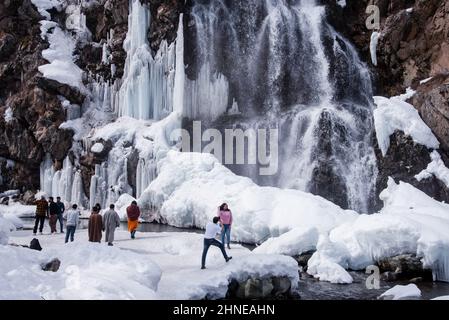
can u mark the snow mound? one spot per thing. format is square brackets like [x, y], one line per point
[190, 186]
[62, 67]
[214, 285]
[410, 222]
[402, 292]
[291, 243]
[19, 210]
[435, 168]
[328, 263]
[395, 114]
[88, 271]
[5, 228]
[15, 220]
[97, 148]
[441, 298]
[44, 5]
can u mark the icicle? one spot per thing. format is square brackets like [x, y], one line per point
[178, 92]
[46, 175]
[77, 196]
[147, 87]
[373, 47]
[234, 108]
[105, 54]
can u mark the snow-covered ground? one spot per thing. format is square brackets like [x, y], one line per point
[153, 266]
[410, 221]
[399, 292]
[436, 168]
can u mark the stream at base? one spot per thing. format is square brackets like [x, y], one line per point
[310, 288]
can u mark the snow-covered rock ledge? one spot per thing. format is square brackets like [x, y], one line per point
[190, 186]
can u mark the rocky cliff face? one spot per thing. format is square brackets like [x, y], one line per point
[413, 46]
[29, 107]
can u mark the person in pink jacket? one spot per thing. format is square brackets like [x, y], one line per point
[225, 216]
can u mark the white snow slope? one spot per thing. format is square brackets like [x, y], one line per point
[153, 266]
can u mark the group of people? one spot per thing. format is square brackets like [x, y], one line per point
[110, 220]
[220, 225]
[98, 224]
[49, 209]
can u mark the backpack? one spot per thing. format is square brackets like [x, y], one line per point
[35, 245]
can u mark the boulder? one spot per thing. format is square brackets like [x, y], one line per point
[403, 160]
[404, 266]
[254, 288]
[303, 258]
[52, 266]
[432, 102]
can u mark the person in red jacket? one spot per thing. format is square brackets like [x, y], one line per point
[133, 213]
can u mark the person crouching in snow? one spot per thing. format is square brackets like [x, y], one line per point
[212, 230]
[225, 216]
[111, 220]
[95, 225]
[133, 213]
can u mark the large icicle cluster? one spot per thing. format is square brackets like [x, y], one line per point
[147, 88]
[65, 183]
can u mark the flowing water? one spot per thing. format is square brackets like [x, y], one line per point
[282, 66]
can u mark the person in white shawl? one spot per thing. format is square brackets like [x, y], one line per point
[111, 220]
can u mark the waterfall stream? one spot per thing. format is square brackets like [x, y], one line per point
[287, 68]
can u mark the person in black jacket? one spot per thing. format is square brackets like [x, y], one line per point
[61, 208]
[53, 210]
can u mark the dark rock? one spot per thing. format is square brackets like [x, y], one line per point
[7, 46]
[389, 276]
[53, 265]
[37, 112]
[101, 17]
[432, 102]
[258, 288]
[404, 160]
[35, 245]
[51, 86]
[164, 21]
[416, 280]
[233, 287]
[404, 266]
[281, 285]
[303, 258]
[253, 288]
[325, 181]
[28, 197]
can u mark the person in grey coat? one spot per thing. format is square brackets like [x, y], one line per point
[111, 220]
[73, 217]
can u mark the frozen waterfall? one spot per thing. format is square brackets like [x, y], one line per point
[147, 86]
[288, 69]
